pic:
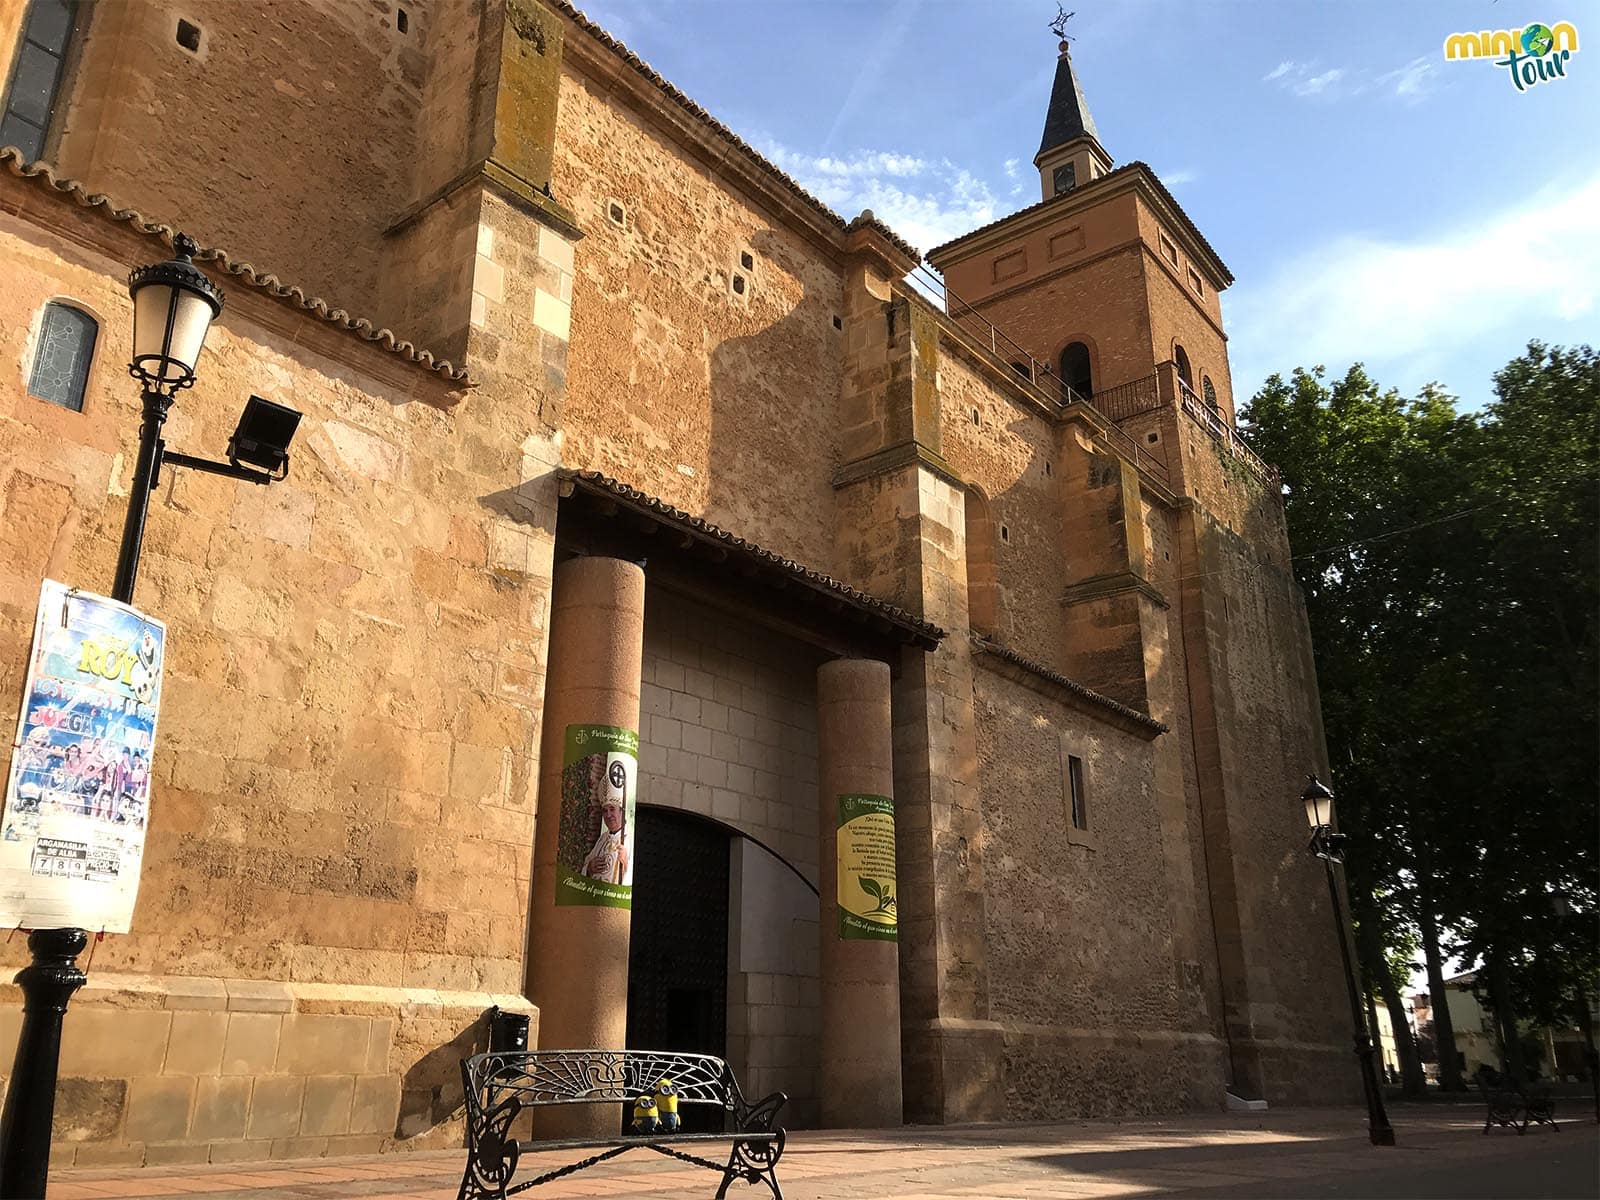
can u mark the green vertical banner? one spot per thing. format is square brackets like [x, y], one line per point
[867, 905]
[595, 844]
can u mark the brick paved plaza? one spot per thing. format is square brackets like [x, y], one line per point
[1442, 1152]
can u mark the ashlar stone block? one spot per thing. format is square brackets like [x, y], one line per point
[221, 1108]
[275, 1106]
[158, 1108]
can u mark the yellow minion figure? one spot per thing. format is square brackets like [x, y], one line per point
[667, 1105]
[644, 1115]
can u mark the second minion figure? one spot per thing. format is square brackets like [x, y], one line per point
[667, 1105]
[644, 1115]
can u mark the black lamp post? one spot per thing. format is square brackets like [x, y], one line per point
[173, 307]
[1329, 847]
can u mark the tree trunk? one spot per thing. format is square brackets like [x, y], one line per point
[1505, 1019]
[1377, 970]
[1411, 1077]
[1444, 1030]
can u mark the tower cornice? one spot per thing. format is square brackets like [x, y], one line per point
[1134, 178]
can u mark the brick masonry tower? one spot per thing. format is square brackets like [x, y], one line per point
[1102, 279]
[1176, 595]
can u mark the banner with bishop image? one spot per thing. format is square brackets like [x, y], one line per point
[78, 789]
[595, 843]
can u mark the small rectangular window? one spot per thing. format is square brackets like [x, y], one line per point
[1194, 281]
[1080, 810]
[1168, 249]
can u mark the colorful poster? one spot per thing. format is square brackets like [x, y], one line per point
[867, 905]
[78, 791]
[594, 854]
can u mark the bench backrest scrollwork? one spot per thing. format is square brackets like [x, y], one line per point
[536, 1078]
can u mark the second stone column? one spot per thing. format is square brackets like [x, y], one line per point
[859, 902]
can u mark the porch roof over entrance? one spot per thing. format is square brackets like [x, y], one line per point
[648, 516]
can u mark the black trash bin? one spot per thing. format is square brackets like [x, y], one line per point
[508, 1031]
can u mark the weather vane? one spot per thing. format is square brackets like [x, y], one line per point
[1059, 25]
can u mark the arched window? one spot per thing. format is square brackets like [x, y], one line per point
[1184, 372]
[36, 77]
[983, 586]
[1075, 372]
[61, 360]
[1208, 392]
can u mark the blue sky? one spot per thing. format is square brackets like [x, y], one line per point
[1374, 201]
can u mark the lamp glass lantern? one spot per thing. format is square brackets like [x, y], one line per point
[173, 307]
[1319, 804]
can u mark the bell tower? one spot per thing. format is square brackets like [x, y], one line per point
[1104, 282]
[1069, 152]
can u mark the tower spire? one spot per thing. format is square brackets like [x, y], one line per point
[1070, 153]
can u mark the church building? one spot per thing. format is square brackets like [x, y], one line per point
[674, 626]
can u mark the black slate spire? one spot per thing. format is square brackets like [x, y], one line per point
[1068, 116]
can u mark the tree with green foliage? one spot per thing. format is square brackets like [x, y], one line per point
[1448, 561]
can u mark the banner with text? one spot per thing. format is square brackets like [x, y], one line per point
[78, 791]
[594, 855]
[867, 906]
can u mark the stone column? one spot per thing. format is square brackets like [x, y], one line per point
[578, 954]
[859, 1081]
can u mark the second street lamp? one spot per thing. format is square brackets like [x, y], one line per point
[1329, 847]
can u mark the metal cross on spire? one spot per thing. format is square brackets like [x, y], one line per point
[1059, 25]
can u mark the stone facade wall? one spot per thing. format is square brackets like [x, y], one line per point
[678, 384]
[342, 801]
[774, 994]
[286, 137]
[730, 728]
[1080, 938]
[1002, 444]
[729, 731]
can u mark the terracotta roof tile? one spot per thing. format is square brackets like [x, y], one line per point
[705, 118]
[922, 631]
[1161, 190]
[43, 175]
[984, 646]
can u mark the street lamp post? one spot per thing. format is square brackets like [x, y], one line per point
[1329, 847]
[173, 307]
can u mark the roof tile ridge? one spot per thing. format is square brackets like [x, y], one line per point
[39, 172]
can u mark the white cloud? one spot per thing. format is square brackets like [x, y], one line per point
[1417, 309]
[1303, 79]
[925, 201]
[1179, 177]
[1317, 84]
[1410, 82]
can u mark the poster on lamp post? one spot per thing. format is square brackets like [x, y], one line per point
[867, 905]
[78, 789]
[599, 792]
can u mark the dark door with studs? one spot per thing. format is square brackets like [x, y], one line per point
[678, 945]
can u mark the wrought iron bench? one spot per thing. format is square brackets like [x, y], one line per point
[1512, 1106]
[501, 1085]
